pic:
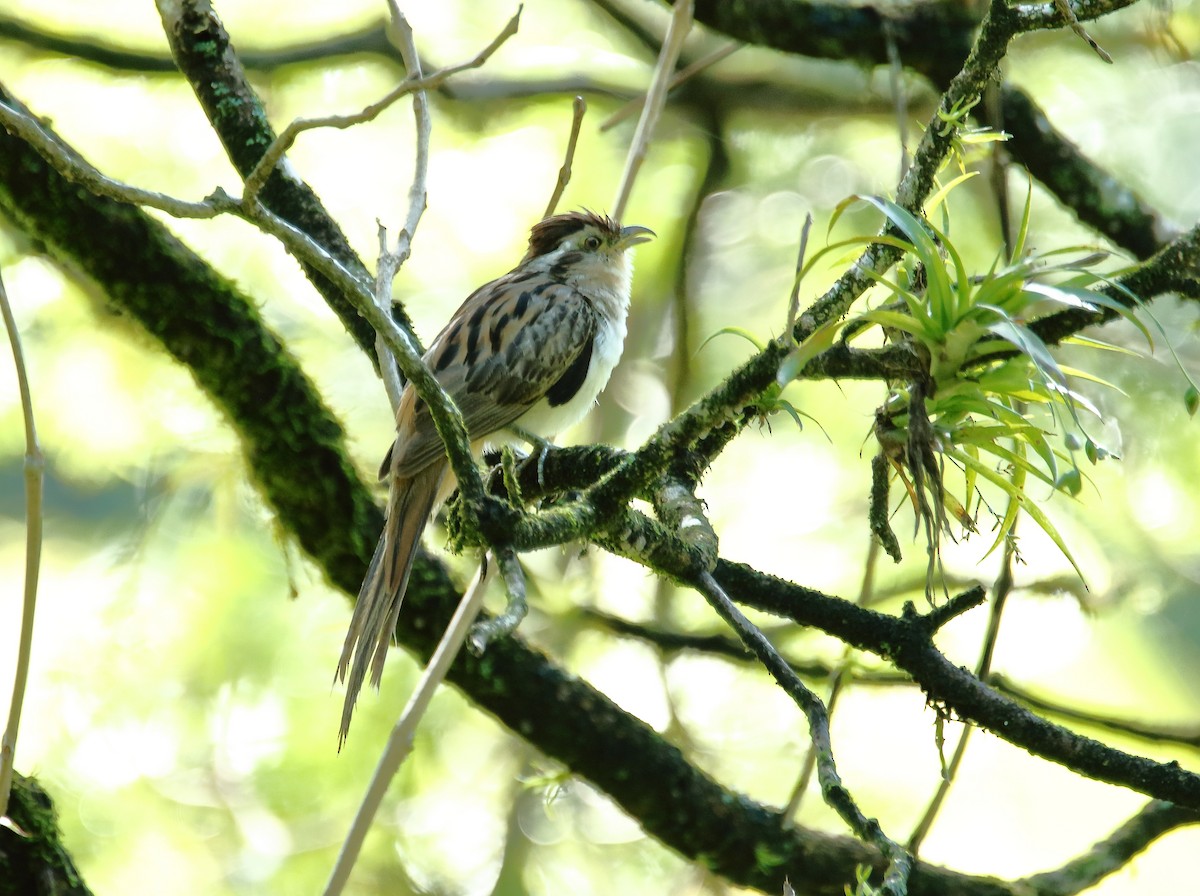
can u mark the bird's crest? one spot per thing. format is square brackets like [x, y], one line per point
[548, 233]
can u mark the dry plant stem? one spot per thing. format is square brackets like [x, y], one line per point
[35, 465]
[635, 105]
[656, 96]
[400, 741]
[390, 261]
[262, 170]
[899, 862]
[578, 109]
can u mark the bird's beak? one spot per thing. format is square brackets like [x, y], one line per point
[634, 234]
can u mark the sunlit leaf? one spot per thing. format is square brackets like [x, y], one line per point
[1019, 495]
[821, 339]
[735, 331]
[896, 321]
[1018, 247]
[1090, 377]
[1090, 342]
[920, 234]
[1088, 300]
[939, 197]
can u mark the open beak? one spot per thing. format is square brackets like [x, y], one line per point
[632, 235]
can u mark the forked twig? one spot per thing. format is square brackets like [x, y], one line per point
[837, 797]
[281, 144]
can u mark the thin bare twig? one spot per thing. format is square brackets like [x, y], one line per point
[35, 466]
[656, 96]
[281, 144]
[400, 741]
[385, 273]
[390, 261]
[578, 109]
[839, 677]
[636, 104]
[418, 192]
[66, 162]
[837, 797]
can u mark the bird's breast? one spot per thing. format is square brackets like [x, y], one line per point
[549, 417]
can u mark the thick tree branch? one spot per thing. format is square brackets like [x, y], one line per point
[1096, 197]
[931, 38]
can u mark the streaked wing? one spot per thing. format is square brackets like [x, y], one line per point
[504, 350]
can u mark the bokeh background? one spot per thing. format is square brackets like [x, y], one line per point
[180, 709]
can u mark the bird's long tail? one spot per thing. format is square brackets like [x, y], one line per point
[378, 606]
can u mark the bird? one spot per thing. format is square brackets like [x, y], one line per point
[526, 353]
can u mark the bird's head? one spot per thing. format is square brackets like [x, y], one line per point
[584, 248]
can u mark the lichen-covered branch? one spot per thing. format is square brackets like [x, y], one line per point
[1114, 851]
[33, 859]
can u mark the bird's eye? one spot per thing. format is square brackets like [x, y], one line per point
[592, 242]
